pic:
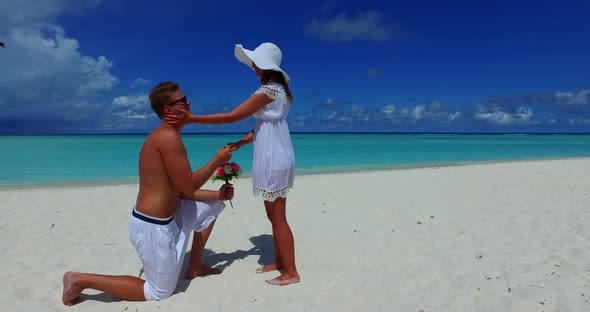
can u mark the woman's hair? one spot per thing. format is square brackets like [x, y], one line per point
[276, 76]
[160, 96]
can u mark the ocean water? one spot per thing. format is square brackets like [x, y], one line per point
[105, 159]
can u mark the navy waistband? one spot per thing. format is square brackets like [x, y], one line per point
[150, 220]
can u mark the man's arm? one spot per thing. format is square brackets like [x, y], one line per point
[178, 168]
[225, 192]
[202, 195]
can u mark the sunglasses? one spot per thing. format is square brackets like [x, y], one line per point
[181, 100]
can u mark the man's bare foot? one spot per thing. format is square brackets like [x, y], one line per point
[201, 271]
[284, 279]
[71, 292]
[269, 268]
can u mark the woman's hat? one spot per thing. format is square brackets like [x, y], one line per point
[266, 56]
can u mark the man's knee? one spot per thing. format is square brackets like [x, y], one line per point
[156, 293]
[164, 295]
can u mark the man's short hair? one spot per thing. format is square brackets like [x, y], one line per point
[160, 96]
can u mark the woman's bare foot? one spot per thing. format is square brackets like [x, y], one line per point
[201, 271]
[284, 279]
[71, 292]
[269, 268]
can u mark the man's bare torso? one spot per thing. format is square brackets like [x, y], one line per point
[157, 195]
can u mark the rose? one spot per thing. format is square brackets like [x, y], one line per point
[228, 169]
[226, 173]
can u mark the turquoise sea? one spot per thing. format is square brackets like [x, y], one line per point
[104, 159]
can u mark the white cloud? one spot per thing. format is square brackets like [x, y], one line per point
[299, 121]
[579, 121]
[132, 115]
[434, 111]
[19, 13]
[138, 102]
[455, 116]
[388, 111]
[367, 26]
[392, 114]
[140, 82]
[418, 112]
[405, 112]
[524, 114]
[132, 107]
[43, 69]
[346, 119]
[580, 98]
[498, 117]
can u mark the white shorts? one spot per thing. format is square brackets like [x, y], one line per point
[161, 243]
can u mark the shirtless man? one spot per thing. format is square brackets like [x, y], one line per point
[170, 205]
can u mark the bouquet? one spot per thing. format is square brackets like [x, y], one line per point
[226, 173]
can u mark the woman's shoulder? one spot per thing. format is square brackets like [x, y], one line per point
[272, 89]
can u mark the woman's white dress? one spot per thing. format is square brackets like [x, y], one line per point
[273, 168]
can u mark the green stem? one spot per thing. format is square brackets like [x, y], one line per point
[232, 205]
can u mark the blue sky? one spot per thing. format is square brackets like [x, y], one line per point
[86, 66]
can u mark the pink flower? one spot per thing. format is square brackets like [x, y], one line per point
[219, 172]
[235, 167]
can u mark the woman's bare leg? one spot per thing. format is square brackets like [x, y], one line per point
[284, 243]
[278, 263]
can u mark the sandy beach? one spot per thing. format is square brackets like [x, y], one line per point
[485, 237]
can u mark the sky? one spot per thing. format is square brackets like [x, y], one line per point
[86, 66]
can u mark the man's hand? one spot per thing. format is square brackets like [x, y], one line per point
[223, 155]
[225, 192]
[234, 146]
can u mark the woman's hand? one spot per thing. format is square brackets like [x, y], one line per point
[181, 119]
[234, 146]
[225, 192]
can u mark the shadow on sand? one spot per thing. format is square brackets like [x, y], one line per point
[102, 297]
[263, 248]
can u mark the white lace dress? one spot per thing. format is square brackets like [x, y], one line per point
[273, 168]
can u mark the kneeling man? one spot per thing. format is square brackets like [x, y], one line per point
[170, 205]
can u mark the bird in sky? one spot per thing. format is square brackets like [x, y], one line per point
[2, 44]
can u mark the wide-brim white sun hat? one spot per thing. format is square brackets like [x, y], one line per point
[266, 56]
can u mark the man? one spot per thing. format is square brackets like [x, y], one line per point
[161, 222]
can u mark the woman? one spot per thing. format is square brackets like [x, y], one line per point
[273, 167]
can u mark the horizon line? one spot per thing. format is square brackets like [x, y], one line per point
[299, 132]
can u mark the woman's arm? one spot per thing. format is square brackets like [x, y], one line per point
[246, 109]
[248, 138]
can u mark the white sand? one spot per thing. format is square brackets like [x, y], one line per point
[490, 237]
